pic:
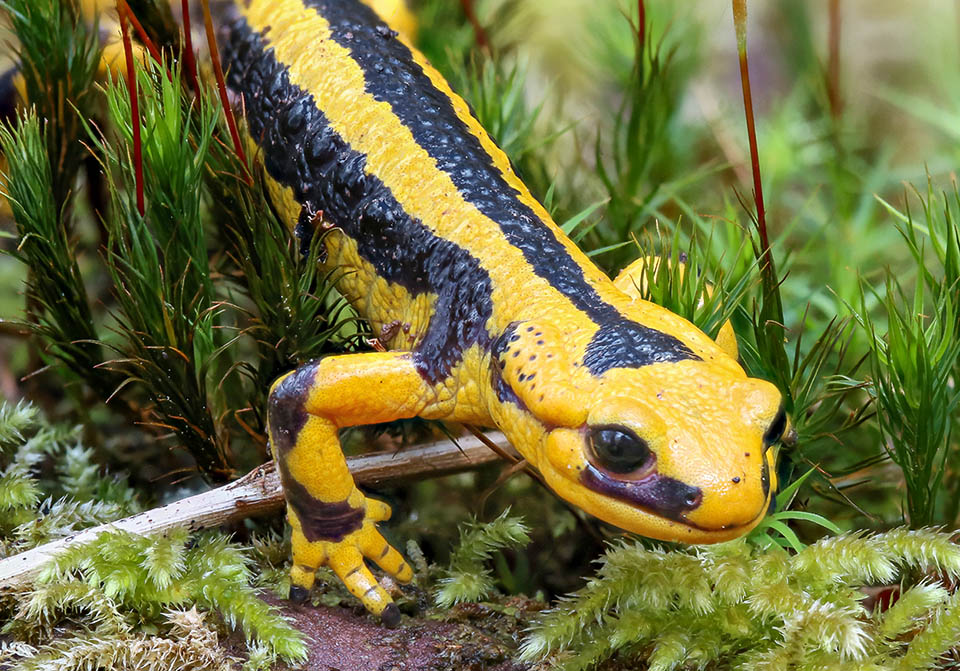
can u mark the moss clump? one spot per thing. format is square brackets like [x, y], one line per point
[737, 606]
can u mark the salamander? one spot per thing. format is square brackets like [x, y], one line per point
[627, 410]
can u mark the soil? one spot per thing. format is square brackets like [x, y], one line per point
[471, 637]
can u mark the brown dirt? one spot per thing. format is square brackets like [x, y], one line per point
[344, 639]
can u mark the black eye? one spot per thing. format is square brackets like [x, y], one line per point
[777, 427]
[617, 449]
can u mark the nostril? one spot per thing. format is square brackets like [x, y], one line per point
[736, 480]
[693, 498]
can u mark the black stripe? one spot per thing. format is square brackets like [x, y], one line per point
[302, 151]
[622, 343]
[393, 77]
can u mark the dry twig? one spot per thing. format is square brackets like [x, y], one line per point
[259, 492]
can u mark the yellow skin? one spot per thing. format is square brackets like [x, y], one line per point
[704, 424]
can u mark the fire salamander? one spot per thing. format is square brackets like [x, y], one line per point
[491, 314]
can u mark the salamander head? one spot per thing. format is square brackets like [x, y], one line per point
[679, 450]
[671, 451]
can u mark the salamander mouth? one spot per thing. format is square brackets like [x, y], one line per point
[665, 497]
[660, 495]
[617, 506]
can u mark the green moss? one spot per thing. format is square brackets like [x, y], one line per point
[467, 578]
[738, 606]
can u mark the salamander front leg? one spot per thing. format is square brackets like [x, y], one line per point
[333, 522]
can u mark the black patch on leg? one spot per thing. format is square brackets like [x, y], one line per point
[320, 521]
[286, 413]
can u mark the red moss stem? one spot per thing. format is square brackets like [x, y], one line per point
[188, 57]
[480, 35]
[144, 38]
[124, 12]
[740, 21]
[833, 64]
[222, 88]
[641, 24]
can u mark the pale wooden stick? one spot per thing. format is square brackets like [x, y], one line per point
[259, 492]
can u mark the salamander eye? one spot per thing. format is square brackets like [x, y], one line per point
[777, 427]
[617, 449]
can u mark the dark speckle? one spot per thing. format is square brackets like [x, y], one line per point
[529, 329]
[516, 354]
[736, 480]
[530, 376]
[746, 454]
[539, 342]
[533, 357]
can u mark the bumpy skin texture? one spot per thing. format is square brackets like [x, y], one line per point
[493, 315]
